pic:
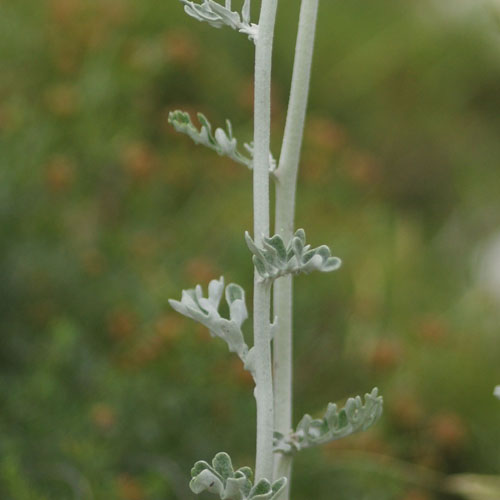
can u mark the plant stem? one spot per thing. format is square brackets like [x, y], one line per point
[286, 186]
[262, 291]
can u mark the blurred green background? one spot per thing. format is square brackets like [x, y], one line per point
[105, 213]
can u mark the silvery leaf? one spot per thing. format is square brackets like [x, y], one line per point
[238, 312]
[275, 259]
[277, 243]
[234, 292]
[205, 310]
[496, 392]
[206, 480]
[223, 465]
[335, 424]
[261, 490]
[221, 479]
[229, 18]
[218, 16]
[264, 490]
[222, 142]
[331, 264]
[215, 291]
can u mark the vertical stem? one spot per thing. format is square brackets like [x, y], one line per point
[285, 214]
[262, 291]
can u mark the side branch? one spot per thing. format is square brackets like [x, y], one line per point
[286, 187]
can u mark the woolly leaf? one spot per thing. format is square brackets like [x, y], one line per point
[234, 292]
[199, 467]
[221, 479]
[218, 16]
[336, 424]
[277, 243]
[278, 486]
[274, 259]
[222, 464]
[261, 488]
[206, 480]
[222, 142]
[205, 310]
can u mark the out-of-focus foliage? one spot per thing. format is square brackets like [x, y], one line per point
[106, 212]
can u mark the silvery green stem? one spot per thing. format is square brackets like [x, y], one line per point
[262, 292]
[285, 214]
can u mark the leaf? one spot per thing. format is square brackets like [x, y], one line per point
[206, 480]
[199, 467]
[218, 16]
[278, 485]
[238, 312]
[220, 478]
[335, 424]
[215, 290]
[223, 142]
[274, 259]
[260, 490]
[205, 310]
[222, 464]
[277, 243]
[234, 292]
[260, 265]
[332, 264]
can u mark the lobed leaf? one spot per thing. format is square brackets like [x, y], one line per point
[218, 16]
[336, 424]
[221, 479]
[205, 310]
[274, 259]
[221, 141]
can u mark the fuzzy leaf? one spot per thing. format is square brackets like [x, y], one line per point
[205, 311]
[222, 464]
[496, 392]
[234, 292]
[336, 424]
[274, 259]
[221, 479]
[278, 486]
[277, 243]
[261, 488]
[206, 480]
[218, 16]
[222, 141]
[199, 467]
